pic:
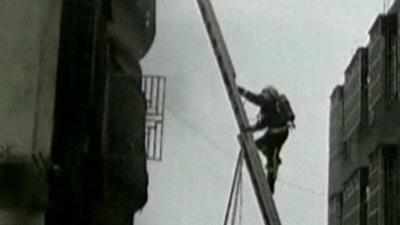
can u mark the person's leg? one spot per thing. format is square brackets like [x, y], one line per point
[276, 141]
[264, 145]
[280, 140]
[273, 167]
[271, 181]
[269, 146]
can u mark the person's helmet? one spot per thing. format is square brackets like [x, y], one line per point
[270, 92]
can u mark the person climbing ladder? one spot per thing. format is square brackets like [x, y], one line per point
[276, 116]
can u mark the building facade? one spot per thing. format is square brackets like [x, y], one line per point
[72, 143]
[364, 175]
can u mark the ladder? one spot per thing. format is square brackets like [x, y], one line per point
[253, 162]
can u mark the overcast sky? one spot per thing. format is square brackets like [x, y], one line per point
[300, 46]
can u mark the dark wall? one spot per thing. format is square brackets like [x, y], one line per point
[99, 174]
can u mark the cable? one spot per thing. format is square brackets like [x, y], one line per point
[233, 186]
[200, 133]
[303, 189]
[237, 203]
[223, 151]
[236, 189]
[240, 196]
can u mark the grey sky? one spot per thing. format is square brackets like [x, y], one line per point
[300, 46]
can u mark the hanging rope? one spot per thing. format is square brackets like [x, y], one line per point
[238, 200]
[234, 194]
[240, 197]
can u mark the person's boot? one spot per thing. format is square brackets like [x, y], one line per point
[271, 182]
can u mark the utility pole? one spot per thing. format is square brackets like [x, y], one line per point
[253, 162]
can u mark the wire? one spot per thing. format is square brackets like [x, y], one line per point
[240, 196]
[223, 150]
[200, 133]
[233, 186]
[235, 205]
[302, 189]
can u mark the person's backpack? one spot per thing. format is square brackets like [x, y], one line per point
[284, 109]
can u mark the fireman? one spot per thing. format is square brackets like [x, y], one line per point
[276, 116]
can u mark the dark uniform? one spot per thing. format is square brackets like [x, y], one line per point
[277, 116]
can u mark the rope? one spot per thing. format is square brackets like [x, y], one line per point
[235, 205]
[234, 189]
[224, 151]
[240, 196]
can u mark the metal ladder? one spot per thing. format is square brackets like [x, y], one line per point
[253, 162]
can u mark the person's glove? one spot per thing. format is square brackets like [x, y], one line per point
[241, 90]
[291, 125]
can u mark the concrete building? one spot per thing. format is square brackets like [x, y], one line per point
[73, 115]
[364, 175]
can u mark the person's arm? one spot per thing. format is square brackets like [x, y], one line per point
[254, 98]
